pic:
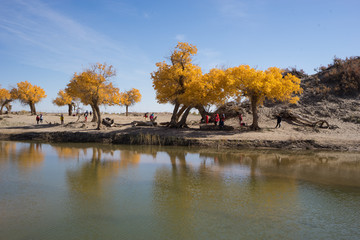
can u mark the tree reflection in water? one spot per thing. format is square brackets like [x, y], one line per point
[26, 156]
[7, 151]
[210, 193]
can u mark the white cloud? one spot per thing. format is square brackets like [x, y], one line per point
[180, 37]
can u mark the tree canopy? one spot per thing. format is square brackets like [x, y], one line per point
[129, 98]
[175, 83]
[259, 85]
[62, 99]
[29, 94]
[93, 87]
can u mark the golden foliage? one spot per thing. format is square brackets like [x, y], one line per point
[174, 82]
[258, 85]
[4, 95]
[62, 99]
[268, 84]
[28, 93]
[130, 97]
[93, 86]
[215, 88]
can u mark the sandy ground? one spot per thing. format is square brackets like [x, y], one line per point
[346, 135]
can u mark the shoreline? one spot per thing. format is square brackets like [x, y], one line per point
[151, 137]
[23, 128]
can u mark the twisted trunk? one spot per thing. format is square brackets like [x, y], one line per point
[97, 110]
[95, 117]
[254, 102]
[181, 111]
[202, 111]
[1, 109]
[174, 114]
[7, 105]
[182, 122]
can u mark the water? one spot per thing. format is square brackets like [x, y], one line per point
[84, 191]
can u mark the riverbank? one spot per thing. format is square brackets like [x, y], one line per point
[24, 128]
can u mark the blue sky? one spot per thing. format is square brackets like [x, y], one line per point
[45, 42]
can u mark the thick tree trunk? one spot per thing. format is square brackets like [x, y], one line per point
[174, 115]
[202, 111]
[95, 117]
[97, 110]
[32, 108]
[255, 124]
[181, 111]
[70, 109]
[127, 108]
[182, 122]
[7, 105]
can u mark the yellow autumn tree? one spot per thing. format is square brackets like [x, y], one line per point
[93, 87]
[259, 85]
[63, 99]
[214, 88]
[173, 83]
[129, 98]
[29, 94]
[5, 98]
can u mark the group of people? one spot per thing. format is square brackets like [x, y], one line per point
[216, 119]
[39, 118]
[152, 116]
[221, 120]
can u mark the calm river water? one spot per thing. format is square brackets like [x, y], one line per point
[85, 191]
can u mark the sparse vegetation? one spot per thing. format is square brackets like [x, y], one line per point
[342, 77]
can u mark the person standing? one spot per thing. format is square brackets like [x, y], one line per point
[217, 119]
[222, 121]
[278, 121]
[37, 119]
[240, 119]
[62, 119]
[41, 118]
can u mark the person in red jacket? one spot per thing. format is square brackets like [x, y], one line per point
[216, 119]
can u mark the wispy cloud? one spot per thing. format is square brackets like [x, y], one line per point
[125, 9]
[180, 37]
[232, 8]
[210, 58]
[42, 37]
